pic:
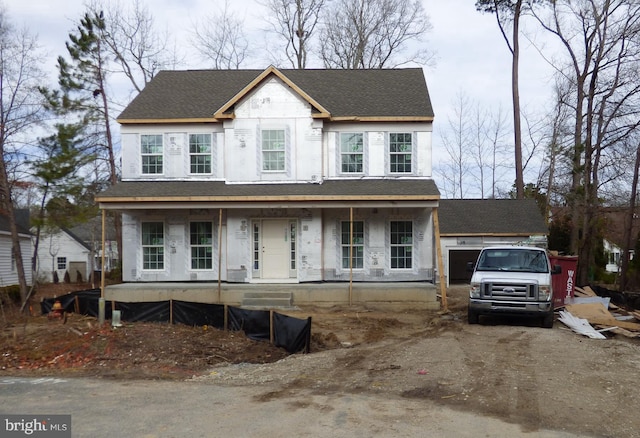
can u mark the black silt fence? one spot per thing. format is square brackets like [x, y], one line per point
[292, 334]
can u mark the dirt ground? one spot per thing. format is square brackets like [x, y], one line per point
[509, 369]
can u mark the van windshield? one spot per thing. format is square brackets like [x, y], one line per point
[516, 260]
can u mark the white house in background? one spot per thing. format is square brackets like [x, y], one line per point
[70, 250]
[281, 176]
[62, 252]
[8, 269]
[614, 256]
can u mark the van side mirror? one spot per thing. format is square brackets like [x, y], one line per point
[557, 269]
[470, 266]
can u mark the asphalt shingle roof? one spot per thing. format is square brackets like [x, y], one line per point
[352, 189]
[22, 221]
[196, 94]
[490, 216]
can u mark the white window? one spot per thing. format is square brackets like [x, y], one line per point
[401, 244]
[200, 153]
[400, 148]
[273, 150]
[356, 247]
[152, 151]
[62, 263]
[152, 245]
[351, 152]
[201, 240]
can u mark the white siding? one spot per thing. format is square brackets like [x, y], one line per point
[57, 245]
[8, 271]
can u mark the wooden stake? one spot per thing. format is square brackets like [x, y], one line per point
[271, 328]
[219, 255]
[443, 286]
[170, 310]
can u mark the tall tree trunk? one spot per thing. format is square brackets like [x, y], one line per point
[6, 206]
[627, 243]
[515, 93]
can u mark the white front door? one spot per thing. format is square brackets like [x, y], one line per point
[275, 249]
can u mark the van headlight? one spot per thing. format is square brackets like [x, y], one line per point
[544, 292]
[474, 290]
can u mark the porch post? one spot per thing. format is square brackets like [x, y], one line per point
[350, 255]
[101, 303]
[443, 286]
[219, 254]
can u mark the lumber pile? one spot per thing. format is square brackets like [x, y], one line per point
[588, 309]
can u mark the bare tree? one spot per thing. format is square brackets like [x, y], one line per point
[627, 242]
[508, 14]
[20, 112]
[373, 34]
[294, 23]
[129, 34]
[220, 39]
[457, 143]
[488, 143]
[599, 38]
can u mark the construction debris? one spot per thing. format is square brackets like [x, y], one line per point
[587, 309]
[580, 325]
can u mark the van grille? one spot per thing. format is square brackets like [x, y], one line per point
[510, 291]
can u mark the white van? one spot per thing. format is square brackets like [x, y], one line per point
[512, 280]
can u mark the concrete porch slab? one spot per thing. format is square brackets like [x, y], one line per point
[373, 295]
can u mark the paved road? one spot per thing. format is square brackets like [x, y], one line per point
[103, 408]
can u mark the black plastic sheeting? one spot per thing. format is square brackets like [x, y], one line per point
[292, 334]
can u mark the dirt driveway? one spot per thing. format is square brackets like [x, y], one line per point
[533, 378]
[514, 371]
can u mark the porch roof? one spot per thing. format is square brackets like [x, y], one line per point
[128, 195]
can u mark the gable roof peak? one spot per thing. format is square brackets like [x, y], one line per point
[225, 112]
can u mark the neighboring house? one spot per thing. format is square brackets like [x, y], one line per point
[8, 269]
[70, 250]
[254, 176]
[615, 220]
[62, 252]
[467, 225]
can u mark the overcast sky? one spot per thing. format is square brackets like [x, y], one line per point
[472, 57]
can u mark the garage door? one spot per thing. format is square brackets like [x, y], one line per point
[458, 264]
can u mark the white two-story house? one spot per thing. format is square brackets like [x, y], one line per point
[277, 176]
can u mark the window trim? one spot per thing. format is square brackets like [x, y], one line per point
[58, 260]
[392, 245]
[343, 154]
[345, 246]
[144, 154]
[391, 154]
[200, 154]
[264, 151]
[151, 246]
[211, 246]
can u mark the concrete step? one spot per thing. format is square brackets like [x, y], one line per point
[267, 300]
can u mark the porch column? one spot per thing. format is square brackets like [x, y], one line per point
[350, 255]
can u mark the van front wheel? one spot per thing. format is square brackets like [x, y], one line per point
[472, 317]
[547, 321]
